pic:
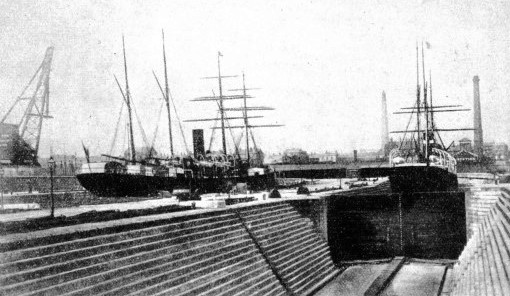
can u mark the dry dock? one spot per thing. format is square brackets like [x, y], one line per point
[287, 246]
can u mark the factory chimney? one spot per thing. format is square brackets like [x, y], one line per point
[477, 117]
[384, 124]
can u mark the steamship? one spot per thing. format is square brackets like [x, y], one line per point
[220, 170]
[422, 163]
[205, 172]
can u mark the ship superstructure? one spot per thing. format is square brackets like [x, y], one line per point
[421, 162]
[203, 172]
[240, 170]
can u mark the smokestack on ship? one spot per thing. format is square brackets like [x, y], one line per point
[477, 117]
[198, 143]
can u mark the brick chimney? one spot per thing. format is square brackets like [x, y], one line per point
[384, 123]
[477, 117]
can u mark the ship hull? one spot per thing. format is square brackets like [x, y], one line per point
[121, 185]
[224, 184]
[418, 178]
[422, 179]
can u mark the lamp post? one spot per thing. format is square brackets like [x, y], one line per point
[51, 164]
[2, 186]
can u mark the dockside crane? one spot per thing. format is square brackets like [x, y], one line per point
[34, 100]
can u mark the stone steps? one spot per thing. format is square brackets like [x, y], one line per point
[480, 200]
[44, 246]
[45, 267]
[85, 251]
[286, 228]
[265, 249]
[483, 267]
[269, 211]
[254, 211]
[270, 223]
[297, 252]
[207, 254]
[146, 266]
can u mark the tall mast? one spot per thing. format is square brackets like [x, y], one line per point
[167, 98]
[418, 103]
[246, 122]
[222, 113]
[425, 105]
[219, 101]
[432, 124]
[128, 102]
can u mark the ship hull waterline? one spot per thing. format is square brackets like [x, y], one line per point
[415, 178]
[125, 185]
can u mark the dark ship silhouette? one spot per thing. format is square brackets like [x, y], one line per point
[201, 173]
[421, 164]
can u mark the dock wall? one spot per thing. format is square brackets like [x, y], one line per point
[365, 226]
[259, 249]
[421, 225]
[483, 268]
[39, 184]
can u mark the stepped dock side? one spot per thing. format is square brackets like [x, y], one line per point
[258, 249]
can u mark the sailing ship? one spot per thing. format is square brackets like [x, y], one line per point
[120, 176]
[235, 169]
[201, 173]
[421, 163]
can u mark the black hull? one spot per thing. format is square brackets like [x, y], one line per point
[415, 178]
[224, 184]
[422, 179]
[121, 185]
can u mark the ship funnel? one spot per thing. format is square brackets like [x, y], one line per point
[198, 143]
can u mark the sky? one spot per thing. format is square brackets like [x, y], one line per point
[322, 65]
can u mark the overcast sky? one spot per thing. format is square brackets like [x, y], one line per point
[321, 64]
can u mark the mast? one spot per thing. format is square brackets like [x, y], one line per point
[418, 127]
[431, 130]
[128, 102]
[432, 111]
[432, 124]
[425, 106]
[222, 111]
[246, 122]
[167, 99]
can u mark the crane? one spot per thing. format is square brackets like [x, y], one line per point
[34, 100]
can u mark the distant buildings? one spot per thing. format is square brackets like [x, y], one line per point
[492, 150]
[326, 157]
[273, 158]
[299, 156]
[295, 156]
[493, 154]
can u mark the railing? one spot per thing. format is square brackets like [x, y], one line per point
[396, 157]
[100, 168]
[444, 159]
[217, 160]
[438, 157]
